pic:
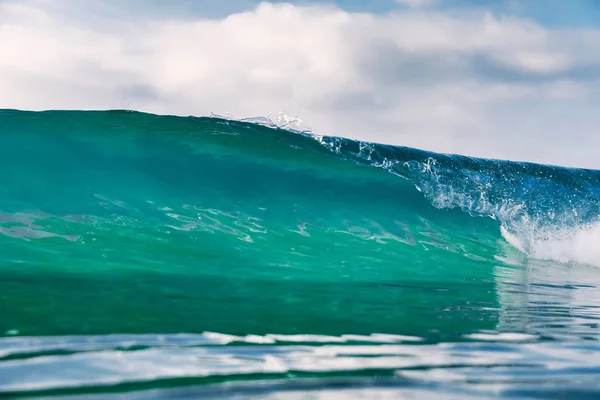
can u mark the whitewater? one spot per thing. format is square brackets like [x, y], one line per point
[147, 256]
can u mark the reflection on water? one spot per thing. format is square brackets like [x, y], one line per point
[545, 345]
[550, 300]
[149, 362]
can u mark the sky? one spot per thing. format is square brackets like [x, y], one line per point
[509, 79]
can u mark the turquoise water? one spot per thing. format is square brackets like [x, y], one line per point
[149, 256]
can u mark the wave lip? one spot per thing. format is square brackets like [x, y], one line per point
[546, 212]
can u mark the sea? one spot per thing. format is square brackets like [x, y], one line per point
[164, 257]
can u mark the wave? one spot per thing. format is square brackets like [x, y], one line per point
[546, 212]
[328, 265]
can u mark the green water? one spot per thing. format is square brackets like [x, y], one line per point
[120, 230]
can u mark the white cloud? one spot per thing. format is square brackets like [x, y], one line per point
[473, 84]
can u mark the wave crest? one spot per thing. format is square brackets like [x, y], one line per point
[546, 212]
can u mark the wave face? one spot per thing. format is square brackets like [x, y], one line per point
[324, 263]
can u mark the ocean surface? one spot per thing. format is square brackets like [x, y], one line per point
[146, 256]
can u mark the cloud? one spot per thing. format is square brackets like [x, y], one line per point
[469, 83]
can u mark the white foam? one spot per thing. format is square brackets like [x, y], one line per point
[514, 240]
[565, 245]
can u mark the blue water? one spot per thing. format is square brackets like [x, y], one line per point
[147, 256]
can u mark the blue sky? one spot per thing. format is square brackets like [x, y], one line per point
[513, 79]
[555, 13]
[552, 13]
